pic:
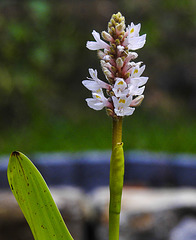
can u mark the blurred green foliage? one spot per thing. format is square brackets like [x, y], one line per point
[43, 60]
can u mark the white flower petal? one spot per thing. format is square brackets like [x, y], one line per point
[143, 80]
[115, 100]
[96, 36]
[93, 45]
[98, 44]
[138, 81]
[118, 112]
[129, 100]
[120, 83]
[94, 104]
[119, 88]
[137, 71]
[134, 90]
[100, 96]
[120, 48]
[122, 101]
[139, 91]
[91, 85]
[128, 111]
[133, 30]
[136, 42]
[93, 73]
[120, 94]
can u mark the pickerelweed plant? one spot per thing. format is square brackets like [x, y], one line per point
[119, 95]
[124, 89]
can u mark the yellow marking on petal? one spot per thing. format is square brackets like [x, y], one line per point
[98, 97]
[99, 90]
[135, 71]
[132, 30]
[120, 83]
[122, 101]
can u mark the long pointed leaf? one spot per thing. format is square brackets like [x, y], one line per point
[35, 200]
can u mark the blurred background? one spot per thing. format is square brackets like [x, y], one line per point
[43, 60]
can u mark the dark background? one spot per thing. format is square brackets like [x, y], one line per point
[43, 60]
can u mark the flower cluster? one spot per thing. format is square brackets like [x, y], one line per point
[125, 84]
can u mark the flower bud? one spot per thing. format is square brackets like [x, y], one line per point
[117, 41]
[111, 31]
[130, 56]
[107, 58]
[100, 54]
[121, 18]
[107, 36]
[127, 75]
[110, 93]
[120, 28]
[107, 72]
[102, 63]
[113, 21]
[106, 64]
[134, 55]
[110, 112]
[121, 36]
[137, 101]
[112, 50]
[119, 62]
[113, 69]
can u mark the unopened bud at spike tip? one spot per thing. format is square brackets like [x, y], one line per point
[120, 27]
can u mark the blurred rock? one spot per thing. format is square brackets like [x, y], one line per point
[185, 230]
[147, 214]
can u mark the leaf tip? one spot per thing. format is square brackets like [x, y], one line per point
[15, 154]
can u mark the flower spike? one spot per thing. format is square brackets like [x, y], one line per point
[125, 85]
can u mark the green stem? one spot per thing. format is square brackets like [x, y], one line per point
[116, 180]
[116, 132]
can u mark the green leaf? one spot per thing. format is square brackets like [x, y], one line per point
[35, 200]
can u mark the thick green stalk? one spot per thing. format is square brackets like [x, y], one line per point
[116, 132]
[116, 180]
